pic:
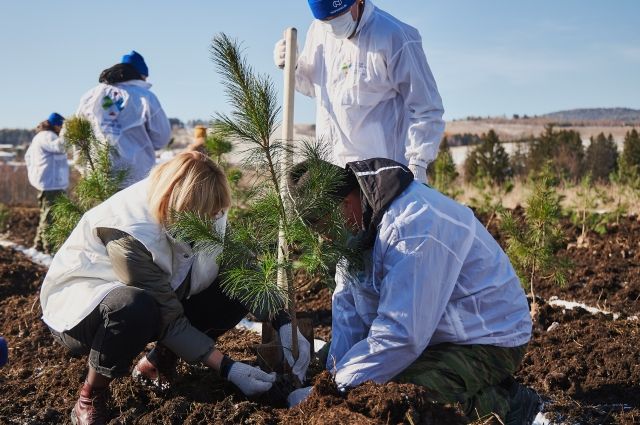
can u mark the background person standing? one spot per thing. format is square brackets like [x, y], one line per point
[48, 171]
[125, 112]
[375, 94]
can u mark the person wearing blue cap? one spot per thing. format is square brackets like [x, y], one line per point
[48, 172]
[375, 94]
[124, 111]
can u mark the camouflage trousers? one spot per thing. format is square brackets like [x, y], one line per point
[476, 377]
[46, 198]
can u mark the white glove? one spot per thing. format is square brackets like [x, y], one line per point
[298, 396]
[249, 379]
[280, 52]
[300, 366]
[419, 173]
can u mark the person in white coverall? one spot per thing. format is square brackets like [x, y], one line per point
[436, 301]
[124, 112]
[121, 281]
[48, 172]
[375, 93]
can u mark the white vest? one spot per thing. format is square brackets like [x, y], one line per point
[81, 274]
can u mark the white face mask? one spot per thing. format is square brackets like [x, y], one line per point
[342, 26]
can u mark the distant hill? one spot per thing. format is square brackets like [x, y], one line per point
[621, 115]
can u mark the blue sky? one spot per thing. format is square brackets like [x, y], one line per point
[489, 57]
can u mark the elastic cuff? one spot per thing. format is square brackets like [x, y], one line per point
[280, 319]
[419, 163]
[225, 366]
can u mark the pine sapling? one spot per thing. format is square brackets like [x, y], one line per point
[249, 262]
[98, 181]
[443, 171]
[534, 240]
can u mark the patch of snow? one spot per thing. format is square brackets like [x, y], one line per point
[570, 305]
[541, 419]
[553, 326]
[35, 255]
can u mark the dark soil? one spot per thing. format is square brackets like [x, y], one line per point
[41, 382]
[21, 225]
[587, 367]
[606, 274]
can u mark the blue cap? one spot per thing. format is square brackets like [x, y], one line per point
[4, 352]
[323, 9]
[136, 60]
[55, 119]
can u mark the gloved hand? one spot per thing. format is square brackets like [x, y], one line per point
[298, 396]
[279, 53]
[419, 173]
[249, 379]
[4, 352]
[299, 367]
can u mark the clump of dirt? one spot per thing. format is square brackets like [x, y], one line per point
[370, 403]
[21, 225]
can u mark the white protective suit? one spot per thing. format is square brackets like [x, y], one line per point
[131, 118]
[81, 274]
[375, 94]
[434, 275]
[47, 165]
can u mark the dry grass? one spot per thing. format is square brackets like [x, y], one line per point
[14, 186]
[521, 191]
[15, 189]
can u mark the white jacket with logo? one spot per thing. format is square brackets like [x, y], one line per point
[434, 275]
[129, 116]
[375, 94]
[81, 274]
[47, 165]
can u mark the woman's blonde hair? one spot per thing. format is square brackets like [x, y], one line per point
[191, 182]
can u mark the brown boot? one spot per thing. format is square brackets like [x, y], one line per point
[91, 407]
[157, 369]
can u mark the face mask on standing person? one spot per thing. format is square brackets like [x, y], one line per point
[341, 27]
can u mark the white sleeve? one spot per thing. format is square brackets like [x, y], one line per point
[347, 328]
[53, 144]
[306, 65]
[412, 78]
[158, 127]
[413, 296]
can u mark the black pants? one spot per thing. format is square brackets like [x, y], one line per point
[126, 320]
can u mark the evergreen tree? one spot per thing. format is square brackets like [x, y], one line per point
[518, 161]
[562, 148]
[249, 261]
[534, 240]
[443, 171]
[488, 160]
[630, 160]
[602, 158]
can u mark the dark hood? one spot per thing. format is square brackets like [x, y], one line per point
[119, 74]
[381, 181]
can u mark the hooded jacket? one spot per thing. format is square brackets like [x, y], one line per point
[375, 94]
[82, 272]
[47, 165]
[129, 116]
[432, 274]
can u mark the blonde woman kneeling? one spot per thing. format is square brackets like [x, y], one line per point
[121, 281]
